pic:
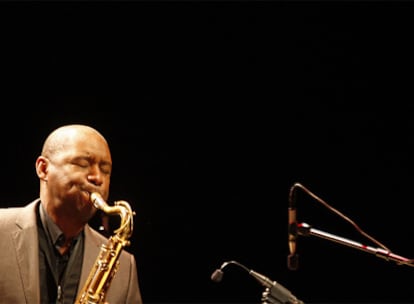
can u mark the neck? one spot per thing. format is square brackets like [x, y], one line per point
[69, 228]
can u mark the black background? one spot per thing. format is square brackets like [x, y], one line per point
[213, 110]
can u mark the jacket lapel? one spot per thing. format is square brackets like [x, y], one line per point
[28, 260]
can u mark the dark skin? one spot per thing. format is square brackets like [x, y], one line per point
[75, 162]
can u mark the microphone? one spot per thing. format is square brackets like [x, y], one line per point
[217, 275]
[292, 260]
[274, 290]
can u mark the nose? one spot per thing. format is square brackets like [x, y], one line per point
[95, 176]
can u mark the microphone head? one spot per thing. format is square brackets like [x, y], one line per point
[217, 275]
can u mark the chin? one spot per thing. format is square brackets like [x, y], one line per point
[86, 208]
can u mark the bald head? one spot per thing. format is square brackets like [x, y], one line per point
[62, 137]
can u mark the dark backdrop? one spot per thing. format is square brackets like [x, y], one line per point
[213, 111]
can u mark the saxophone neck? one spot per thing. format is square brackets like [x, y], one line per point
[121, 208]
[125, 229]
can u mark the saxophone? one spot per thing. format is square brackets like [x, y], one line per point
[106, 264]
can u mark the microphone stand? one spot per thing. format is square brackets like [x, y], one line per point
[274, 292]
[306, 230]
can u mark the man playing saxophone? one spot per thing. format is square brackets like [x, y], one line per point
[47, 248]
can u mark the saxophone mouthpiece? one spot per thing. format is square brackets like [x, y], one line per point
[97, 200]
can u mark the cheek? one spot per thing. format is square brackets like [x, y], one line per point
[64, 180]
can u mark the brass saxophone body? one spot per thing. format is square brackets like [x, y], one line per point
[107, 262]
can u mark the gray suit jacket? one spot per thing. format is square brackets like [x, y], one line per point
[19, 260]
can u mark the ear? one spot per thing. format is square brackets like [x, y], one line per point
[42, 164]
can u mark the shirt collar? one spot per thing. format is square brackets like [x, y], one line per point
[54, 233]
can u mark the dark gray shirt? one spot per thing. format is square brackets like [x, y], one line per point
[59, 274]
